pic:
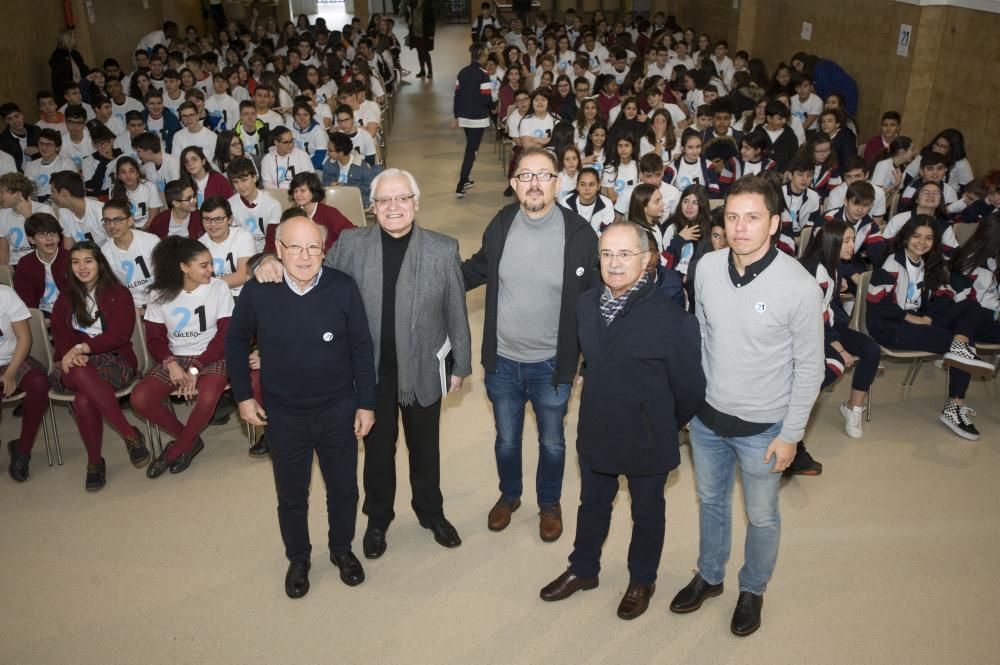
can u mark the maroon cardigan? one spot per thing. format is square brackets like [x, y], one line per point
[117, 314]
[161, 224]
[325, 215]
[217, 185]
[29, 276]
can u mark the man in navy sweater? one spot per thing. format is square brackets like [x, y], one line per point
[318, 384]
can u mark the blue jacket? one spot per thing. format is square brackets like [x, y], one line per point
[357, 176]
[171, 125]
[473, 93]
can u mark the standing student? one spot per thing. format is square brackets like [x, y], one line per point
[471, 110]
[530, 350]
[912, 306]
[142, 194]
[186, 322]
[197, 173]
[92, 325]
[129, 251]
[181, 217]
[79, 215]
[19, 373]
[16, 206]
[231, 246]
[40, 276]
[283, 161]
[750, 296]
[252, 209]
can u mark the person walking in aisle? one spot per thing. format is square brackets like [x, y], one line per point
[471, 108]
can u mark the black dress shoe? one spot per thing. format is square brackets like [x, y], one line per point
[746, 617]
[297, 579]
[351, 572]
[18, 468]
[444, 533]
[159, 466]
[260, 450]
[635, 601]
[566, 585]
[138, 453]
[373, 544]
[97, 475]
[184, 460]
[693, 595]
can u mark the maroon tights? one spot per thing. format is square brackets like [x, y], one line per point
[148, 401]
[93, 403]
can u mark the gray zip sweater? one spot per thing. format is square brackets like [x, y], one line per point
[762, 343]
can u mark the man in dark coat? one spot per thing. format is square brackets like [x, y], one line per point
[642, 382]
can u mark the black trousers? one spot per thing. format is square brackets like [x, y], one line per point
[593, 519]
[473, 137]
[421, 425]
[293, 436]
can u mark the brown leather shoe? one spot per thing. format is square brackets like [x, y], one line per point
[636, 600]
[550, 523]
[499, 516]
[566, 585]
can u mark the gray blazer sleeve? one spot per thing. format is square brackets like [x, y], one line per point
[457, 315]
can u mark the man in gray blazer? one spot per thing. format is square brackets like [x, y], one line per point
[414, 296]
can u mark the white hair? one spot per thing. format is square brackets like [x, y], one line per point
[391, 173]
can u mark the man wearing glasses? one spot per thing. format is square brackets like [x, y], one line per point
[317, 381]
[194, 132]
[640, 389]
[536, 260]
[411, 284]
[181, 218]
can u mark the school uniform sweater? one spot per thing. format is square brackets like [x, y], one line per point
[115, 311]
[29, 276]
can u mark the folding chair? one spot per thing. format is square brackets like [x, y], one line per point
[348, 201]
[42, 353]
[6, 276]
[804, 236]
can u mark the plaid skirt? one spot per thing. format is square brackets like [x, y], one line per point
[160, 372]
[111, 367]
[28, 365]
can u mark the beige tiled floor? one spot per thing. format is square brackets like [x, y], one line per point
[888, 557]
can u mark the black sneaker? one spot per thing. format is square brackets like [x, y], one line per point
[803, 464]
[958, 418]
[460, 191]
[97, 476]
[18, 468]
[260, 450]
[469, 184]
[138, 453]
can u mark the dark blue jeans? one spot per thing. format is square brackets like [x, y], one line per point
[509, 388]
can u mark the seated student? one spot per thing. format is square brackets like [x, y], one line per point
[40, 276]
[181, 216]
[589, 203]
[888, 132]
[754, 156]
[76, 141]
[223, 111]
[307, 193]
[659, 137]
[974, 269]
[160, 120]
[949, 144]
[79, 214]
[806, 105]
[16, 206]
[782, 142]
[186, 322]
[685, 228]
[367, 114]
[19, 373]
[18, 139]
[134, 125]
[49, 116]
[253, 132]
[912, 306]
[129, 251]
[340, 168]
[929, 200]
[309, 135]
[535, 129]
[252, 209]
[7, 163]
[92, 325]
[702, 118]
[283, 161]
[650, 173]
[173, 93]
[142, 194]
[363, 143]
[197, 172]
[818, 150]
[159, 167]
[607, 94]
[104, 117]
[40, 170]
[722, 155]
[691, 168]
[889, 165]
[569, 169]
[845, 143]
[231, 246]
[194, 133]
[802, 202]
[120, 102]
[932, 169]
[99, 167]
[74, 97]
[722, 118]
[859, 200]
[621, 170]
[986, 206]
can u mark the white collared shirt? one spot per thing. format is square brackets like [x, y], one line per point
[295, 287]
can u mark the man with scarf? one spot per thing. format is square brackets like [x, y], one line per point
[414, 296]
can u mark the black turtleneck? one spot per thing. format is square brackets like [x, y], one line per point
[393, 251]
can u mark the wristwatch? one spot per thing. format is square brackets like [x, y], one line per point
[193, 371]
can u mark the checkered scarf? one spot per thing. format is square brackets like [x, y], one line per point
[611, 307]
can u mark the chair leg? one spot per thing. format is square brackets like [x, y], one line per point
[916, 370]
[52, 413]
[48, 450]
[868, 404]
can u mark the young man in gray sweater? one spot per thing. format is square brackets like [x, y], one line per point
[762, 352]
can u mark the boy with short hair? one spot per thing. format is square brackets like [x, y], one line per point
[230, 245]
[703, 118]
[160, 119]
[181, 217]
[806, 105]
[253, 133]
[19, 139]
[802, 202]
[40, 276]
[173, 96]
[340, 168]
[252, 209]
[49, 161]
[79, 215]
[722, 117]
[48, 112]
[888, 131]
[782, 142]
[364, 145]
[856, 213]
[484, 19]
[223, 110]
[852, 170]
[16, 206]
[283, 160]
[103, 115]
[134, 126]
[99, 166]
[76, 141]
[194, 133]
[723, 64]
[73, 96]
[933, 168]
[158, 166]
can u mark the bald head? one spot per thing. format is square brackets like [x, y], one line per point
[300, 243]
[303, 229]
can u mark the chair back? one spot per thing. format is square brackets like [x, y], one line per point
[716, 203]
[41, 347]
[804, 236]
[859, 321]
[348, 201]
[282, 197]
[964, 231]
[6, 276]
[892, 205]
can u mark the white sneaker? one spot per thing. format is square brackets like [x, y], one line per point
[852, 420]
[962, 356]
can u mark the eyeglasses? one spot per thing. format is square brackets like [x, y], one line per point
[541, 176]
[296, 250]
[214, 220]
[286, 141]
[46, 234]
[622, 254]
[399, 199]
[189, 199]
[113, 221]
[46, 144]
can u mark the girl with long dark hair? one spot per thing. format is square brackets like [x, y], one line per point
[198, 174]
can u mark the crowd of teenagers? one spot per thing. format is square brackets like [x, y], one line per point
[653, 123]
